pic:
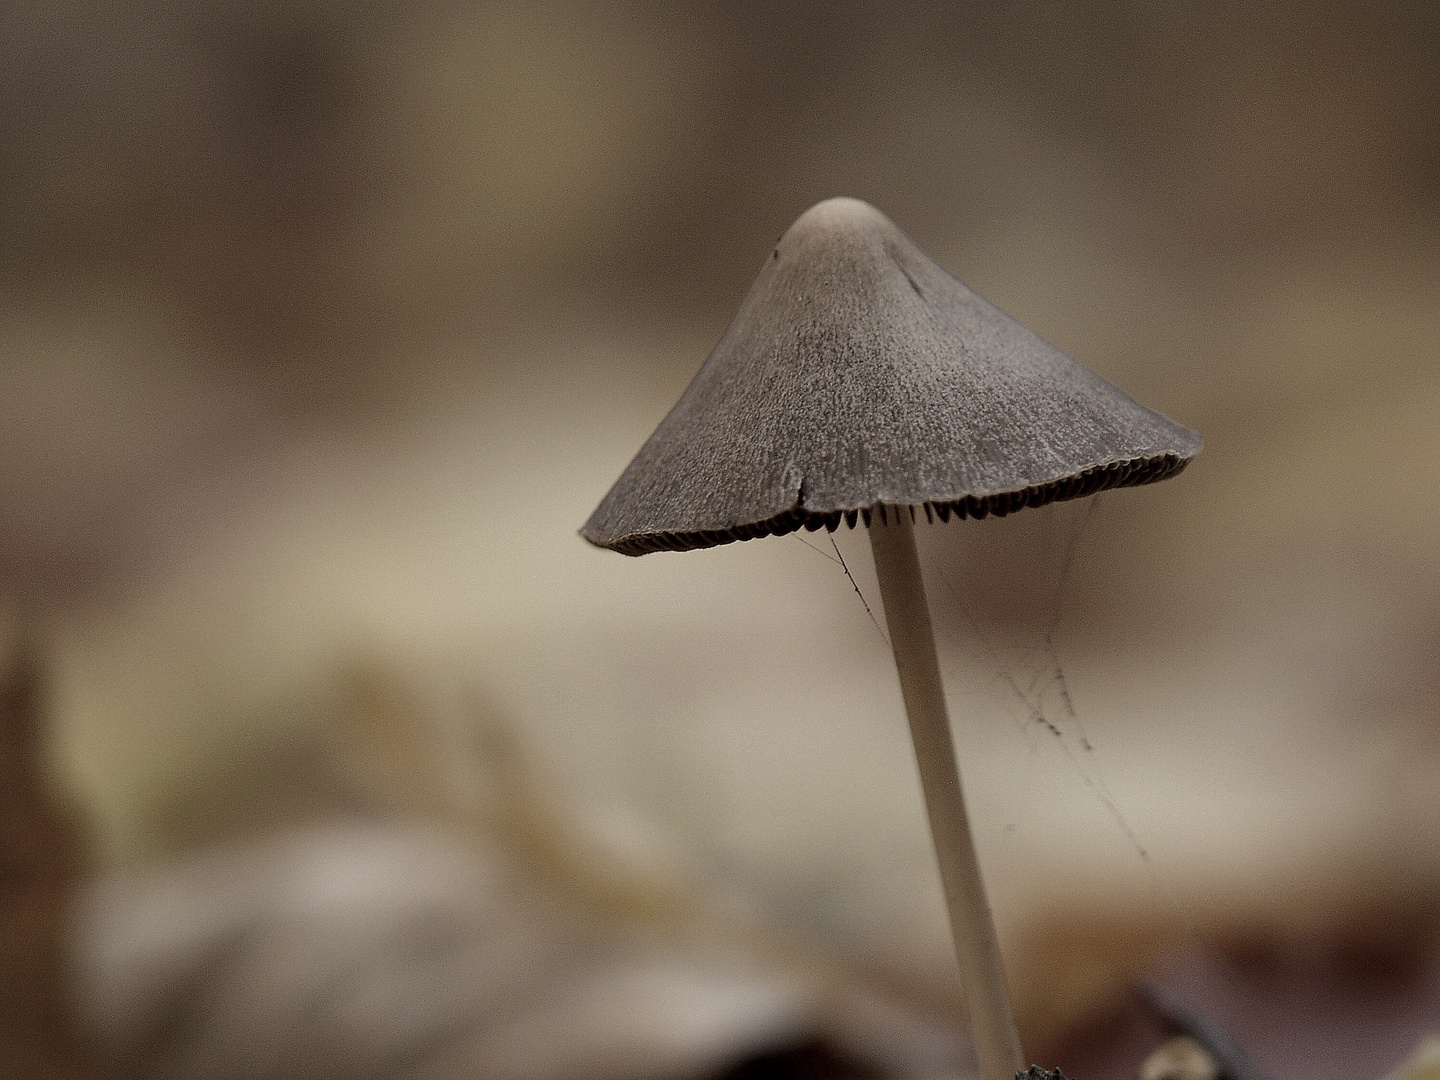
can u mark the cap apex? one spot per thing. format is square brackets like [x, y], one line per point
[839, 214]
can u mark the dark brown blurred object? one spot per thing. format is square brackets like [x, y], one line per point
[1342, 1004]
[39, 863]
[813, 1059]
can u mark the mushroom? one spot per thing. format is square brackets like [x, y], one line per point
[861, 381]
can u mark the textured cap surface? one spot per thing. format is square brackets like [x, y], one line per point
[859, 371]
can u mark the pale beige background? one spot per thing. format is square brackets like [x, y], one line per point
[325, 325]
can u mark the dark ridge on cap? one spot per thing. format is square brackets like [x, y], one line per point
[859, 373]
[1101, 478]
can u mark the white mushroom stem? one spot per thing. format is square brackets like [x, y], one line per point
[982, 975]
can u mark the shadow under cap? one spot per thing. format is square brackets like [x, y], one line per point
[859, 372]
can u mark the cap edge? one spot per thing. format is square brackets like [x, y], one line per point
[1130, 472]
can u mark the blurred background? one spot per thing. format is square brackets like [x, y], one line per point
[323, 327]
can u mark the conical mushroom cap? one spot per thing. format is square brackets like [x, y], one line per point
[858, 372]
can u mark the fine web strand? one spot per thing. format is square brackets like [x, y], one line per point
[819, 551]
[1043, 674]
[1067, 565]
[1062, 686]
[839, 560]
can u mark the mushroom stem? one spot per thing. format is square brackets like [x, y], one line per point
[982, 975]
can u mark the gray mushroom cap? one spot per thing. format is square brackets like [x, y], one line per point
[858, 372]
